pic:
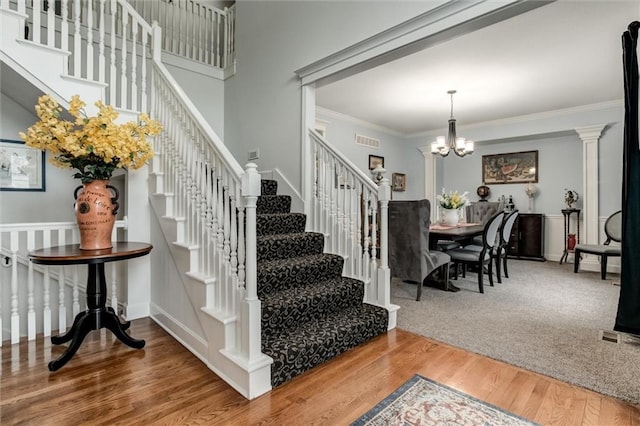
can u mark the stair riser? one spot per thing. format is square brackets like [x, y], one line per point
[289, 313]
[273, 204]
[322, 344]
[290, 247]
[280, 224]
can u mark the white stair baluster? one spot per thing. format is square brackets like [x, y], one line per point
[113, 78]
[51, 26]
[101, 47]
[15, 315]
[76, 292]
[123, 62]
[89, 55]
[35, 31]
[77, 40]
[31, 311]
[46, 285]
[64, 32]
[62, 310]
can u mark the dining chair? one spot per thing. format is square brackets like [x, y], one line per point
[499, 250]
[613, 231]
[472, 257]
[409, 256]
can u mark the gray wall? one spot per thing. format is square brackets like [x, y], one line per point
[273, 39]
[206, 93]
[560, 149]
[398, 156]
[56, 203]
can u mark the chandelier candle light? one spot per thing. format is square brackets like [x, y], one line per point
[460, 146]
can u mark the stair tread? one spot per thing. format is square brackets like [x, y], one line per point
[292, 235]
[300, 261]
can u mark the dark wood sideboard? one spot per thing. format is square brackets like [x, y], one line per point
[527, 237]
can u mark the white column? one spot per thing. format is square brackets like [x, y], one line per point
[430, 190]
[590, 136]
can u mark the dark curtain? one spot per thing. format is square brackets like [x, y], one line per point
[628, 318]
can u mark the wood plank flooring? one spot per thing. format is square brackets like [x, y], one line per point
[108, 383]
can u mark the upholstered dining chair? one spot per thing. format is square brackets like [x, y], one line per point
[613, 231]
[409, 255]
[469, 256]
[505, 235]
[499, 250]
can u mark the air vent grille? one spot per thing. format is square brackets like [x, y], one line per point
[367, 141]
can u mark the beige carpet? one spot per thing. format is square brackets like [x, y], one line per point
[544, 318]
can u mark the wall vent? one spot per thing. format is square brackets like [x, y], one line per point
[367, 141]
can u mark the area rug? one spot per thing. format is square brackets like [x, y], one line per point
[421, 401]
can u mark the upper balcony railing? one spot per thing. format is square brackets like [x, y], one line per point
[193, 30]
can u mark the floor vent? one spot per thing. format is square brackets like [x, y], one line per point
[609, 336]
[367, 141]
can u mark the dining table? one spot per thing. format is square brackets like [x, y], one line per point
[462, 232]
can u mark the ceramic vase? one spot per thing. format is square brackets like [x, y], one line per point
[571, 241]
[450, 217]
[96, 207]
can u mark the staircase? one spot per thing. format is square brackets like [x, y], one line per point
[259, 303]
[310, 312]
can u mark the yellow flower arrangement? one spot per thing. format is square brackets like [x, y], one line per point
[94, 146]
[452, 200]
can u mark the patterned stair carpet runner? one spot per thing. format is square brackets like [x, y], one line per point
[310, 312]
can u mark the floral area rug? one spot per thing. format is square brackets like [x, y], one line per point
[421, 401]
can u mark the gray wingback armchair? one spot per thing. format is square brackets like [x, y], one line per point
[482, 211]
[409, 255]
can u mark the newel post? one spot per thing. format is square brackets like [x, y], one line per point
[384, 274]
[383, 295]
[250, 315]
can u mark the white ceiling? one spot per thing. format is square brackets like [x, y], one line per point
[561, 55]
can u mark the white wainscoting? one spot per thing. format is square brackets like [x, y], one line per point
[554, 243]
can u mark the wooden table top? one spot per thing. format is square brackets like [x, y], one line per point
[464, 230]
[72, 255]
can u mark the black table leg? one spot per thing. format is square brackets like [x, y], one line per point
[82, 328]
[97, 316]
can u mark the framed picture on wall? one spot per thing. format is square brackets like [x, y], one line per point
[398, 182]
[514, 167]
[375, 161]
[21, 167]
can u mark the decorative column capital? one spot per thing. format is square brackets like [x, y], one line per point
[590, 133]
[426, 152]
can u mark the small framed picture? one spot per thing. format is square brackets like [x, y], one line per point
[21, 167]
[398, 182]
[375, 161]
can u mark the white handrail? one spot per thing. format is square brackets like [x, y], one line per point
[351, 211]
[194, 30]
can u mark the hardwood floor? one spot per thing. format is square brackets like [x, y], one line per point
[108, 383]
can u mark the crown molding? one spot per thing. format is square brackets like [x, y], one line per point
[531, 117]
[349, 119]
[448, 20]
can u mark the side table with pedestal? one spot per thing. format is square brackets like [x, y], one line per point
[567, 231]
[97, 315]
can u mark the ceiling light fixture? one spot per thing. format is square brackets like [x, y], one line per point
[460, 146]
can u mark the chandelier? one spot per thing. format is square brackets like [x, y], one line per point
[460, 146]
